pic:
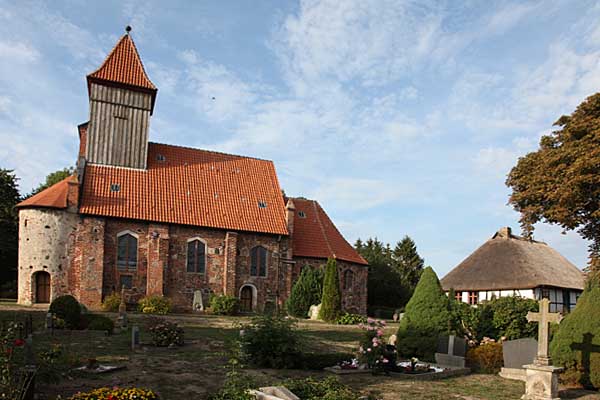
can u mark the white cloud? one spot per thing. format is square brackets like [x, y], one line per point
[18, 52]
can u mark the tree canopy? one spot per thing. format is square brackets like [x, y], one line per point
[559, 183]
[9, 226]
[53, 178]
[408, 263]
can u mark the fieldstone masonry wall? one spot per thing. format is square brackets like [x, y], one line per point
[44, 242]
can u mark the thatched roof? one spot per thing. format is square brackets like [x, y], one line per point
[508, 262]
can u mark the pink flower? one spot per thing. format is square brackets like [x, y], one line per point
[385, 360]
[19, 342]
[369, 349]
[370, 320]
[375, 344]
[379, 332]
[383, 323]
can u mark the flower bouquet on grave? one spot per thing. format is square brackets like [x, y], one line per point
[371, 349]
[353, 364]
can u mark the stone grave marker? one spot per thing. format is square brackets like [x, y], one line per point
[135, 337]
[451, 351]
[541, 380]
[313, 312]
[517, 353]
[198, 302]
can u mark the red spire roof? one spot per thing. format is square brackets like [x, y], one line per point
[316, 236]
[123, 66]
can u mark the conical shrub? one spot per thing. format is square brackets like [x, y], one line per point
[331, 302]
[307, 291]
[427, 316]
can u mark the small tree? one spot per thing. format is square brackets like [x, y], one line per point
[9, 197]
[306, 291]
[331, 302]
[427, 316]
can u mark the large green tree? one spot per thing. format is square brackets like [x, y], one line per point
[9, 227]
[384, 285]
[407, 262]
[53, 178]
[331, 302]
[559, 183]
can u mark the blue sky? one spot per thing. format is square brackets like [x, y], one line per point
[400, 117]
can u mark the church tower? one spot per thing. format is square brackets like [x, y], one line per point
[121, 101]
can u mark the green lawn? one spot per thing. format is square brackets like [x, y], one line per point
[198, 368]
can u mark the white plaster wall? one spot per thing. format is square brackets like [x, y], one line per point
[43, 246]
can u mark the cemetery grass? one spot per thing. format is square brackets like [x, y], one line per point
[199, 367]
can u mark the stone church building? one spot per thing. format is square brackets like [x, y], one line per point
[167, 220]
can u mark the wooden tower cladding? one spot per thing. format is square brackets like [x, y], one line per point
[121, 102]
[119, 126]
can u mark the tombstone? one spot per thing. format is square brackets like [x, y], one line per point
[313, 312]
[451, 351]
[541, 380]
[49, 321]
[122, 319]
[274, 393]
[198, 302]
[135, 337]
[518, 353]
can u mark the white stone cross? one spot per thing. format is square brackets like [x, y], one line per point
[543, 318]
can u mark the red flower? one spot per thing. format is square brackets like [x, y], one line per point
[111, 397]
[19, 342]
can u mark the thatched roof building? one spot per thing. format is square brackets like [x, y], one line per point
[511, 265]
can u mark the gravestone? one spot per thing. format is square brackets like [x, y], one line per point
[541, 380]
[313, 312]
[518, 353]
[451, 351]
[49, 321]
[135, 337]
[198, 302]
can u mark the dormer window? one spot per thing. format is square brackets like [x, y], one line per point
[301, 214]
[160, 157]
[262, 204]
[115, 187]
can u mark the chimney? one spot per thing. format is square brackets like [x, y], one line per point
[290, 209]
[505, 232]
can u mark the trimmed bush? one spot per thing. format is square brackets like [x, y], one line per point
[331, 302]
[97, 322]
[224, 305]
[578, 334]
[307, 291]
[67, 308]
[427, 316]
[351, 319]
[486, 358]
[112, 302]
[165, 333]
[510, 317]
[271, 342]
[154, 305]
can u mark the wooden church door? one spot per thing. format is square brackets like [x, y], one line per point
[42, 287]
[246, 299]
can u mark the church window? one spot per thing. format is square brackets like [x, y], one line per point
[301, 214]
[458, 296]
[196, 256]
[473, 298]
[348, 279]
[127, 251]
[115, 187]
[258, 261]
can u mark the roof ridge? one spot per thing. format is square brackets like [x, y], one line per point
[210, 151]
[315, 204]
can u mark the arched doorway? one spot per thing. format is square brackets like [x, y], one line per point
[247, 298]
[42, 287]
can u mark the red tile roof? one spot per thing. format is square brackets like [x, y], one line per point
[123, 66]
[53, 197]
[316, 236]
[190, 187]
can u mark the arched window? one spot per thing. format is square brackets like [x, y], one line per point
[127, 245]
[258, 261]
[348, 279]
[196, 256]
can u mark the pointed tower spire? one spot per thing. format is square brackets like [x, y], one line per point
[123, 67]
